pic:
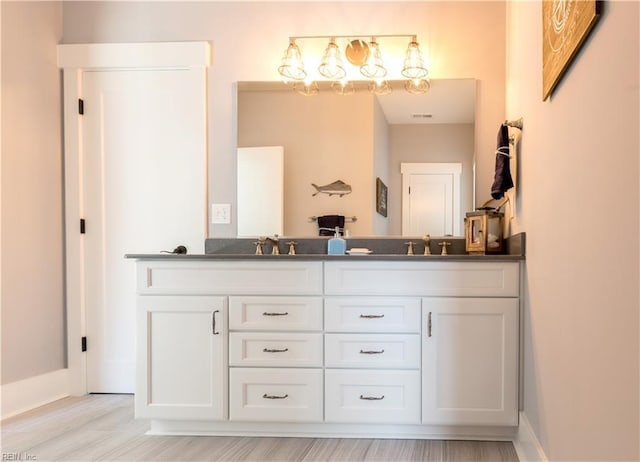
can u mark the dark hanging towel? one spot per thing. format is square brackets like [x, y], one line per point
[502, 180]
[327, 224]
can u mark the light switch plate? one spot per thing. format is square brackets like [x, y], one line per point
[221, 214]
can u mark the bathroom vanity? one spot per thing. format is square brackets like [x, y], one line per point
[337, 346]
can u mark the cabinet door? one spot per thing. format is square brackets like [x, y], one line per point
[182, 358]
[469, 361]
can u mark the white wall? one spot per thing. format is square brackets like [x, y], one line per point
[579, 206]
[460, 40]
[33, 323]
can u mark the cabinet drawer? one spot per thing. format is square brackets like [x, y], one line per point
[483, 279]
[372, 396]
[251, 277]
[380, 351]
[279, 395]
[275, 313]
[372, 314]
[270, 349]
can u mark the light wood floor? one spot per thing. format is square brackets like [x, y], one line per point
[102, 427]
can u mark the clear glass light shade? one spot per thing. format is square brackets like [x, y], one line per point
[373, 68]
[343, 87]
[417, 86]
[380, 87]
[413, 64]
[306, 88]
[331, 65]
[291, 66]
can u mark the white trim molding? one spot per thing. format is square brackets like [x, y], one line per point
[134, 55]
[27, 394]
[526, 443]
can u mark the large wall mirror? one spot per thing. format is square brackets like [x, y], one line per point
[357, 143]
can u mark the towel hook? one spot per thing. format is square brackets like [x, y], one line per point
[514, 123]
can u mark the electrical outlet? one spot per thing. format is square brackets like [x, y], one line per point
[221, 214]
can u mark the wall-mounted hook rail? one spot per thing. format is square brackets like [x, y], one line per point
[346, 219]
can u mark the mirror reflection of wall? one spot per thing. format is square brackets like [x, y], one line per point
[356, 139]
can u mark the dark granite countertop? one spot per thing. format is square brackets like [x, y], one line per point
[324, 257]
[314, 249]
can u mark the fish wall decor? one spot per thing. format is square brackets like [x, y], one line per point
[337, 188]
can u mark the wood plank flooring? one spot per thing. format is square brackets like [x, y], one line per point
[102, 427]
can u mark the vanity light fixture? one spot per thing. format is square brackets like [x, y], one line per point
[359, 53]
[331, 65]
[417, 86]
[292, 67]
[373, 68]
[343, 87]
[306, 88]
[380, 87]
[413, 63]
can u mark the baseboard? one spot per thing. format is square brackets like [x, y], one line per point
[27, 394]
[526, 443]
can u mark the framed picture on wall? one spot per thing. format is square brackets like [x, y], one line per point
[565, 26]
[381, 197]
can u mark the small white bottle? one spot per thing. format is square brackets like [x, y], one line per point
[336, 245]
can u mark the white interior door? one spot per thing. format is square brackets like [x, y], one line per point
[144, 154]
[431, 199]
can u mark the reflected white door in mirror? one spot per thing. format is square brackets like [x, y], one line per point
[260, 191]
[431, 198]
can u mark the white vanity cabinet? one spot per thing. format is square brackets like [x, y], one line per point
[182, 357]
[372, 359]
[275, 358]
[469, 367]
[361, 347]
[182, 328]
[470, 361]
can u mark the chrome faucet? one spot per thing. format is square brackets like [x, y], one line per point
[275, 241]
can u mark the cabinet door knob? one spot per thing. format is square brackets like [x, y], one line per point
[372, 398]
[213, 322]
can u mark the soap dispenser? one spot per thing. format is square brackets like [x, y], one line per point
[336, 245]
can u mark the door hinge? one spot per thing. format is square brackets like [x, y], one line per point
[409, 189]
[80, 106]
[82, 226]
[84, 343]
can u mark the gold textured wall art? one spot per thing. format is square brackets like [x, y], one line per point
[565, 26]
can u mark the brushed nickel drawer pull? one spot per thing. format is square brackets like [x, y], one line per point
[429, 325]
[266, 313]
[274, 350]
[372, 316]
[265, 396]
[371, 352]
[372, 398]
[213, 322]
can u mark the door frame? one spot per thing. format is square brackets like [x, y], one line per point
[432, 168]
[74, 59]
